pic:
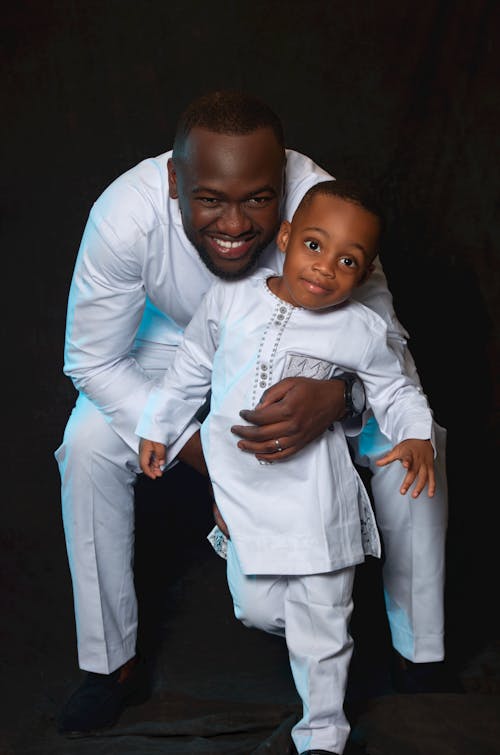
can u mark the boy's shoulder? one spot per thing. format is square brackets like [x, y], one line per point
[365, 316]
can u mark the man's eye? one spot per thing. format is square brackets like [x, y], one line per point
[258, 201]
[312, 245]
[210, 201]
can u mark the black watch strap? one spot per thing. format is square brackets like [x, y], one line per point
[354, 393]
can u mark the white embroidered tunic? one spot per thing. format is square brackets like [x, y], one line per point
[308, 514]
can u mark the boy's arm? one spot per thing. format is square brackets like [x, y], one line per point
[417, 457]
[172, 405]
[152, 458]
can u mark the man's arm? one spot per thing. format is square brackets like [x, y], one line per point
[105, 307]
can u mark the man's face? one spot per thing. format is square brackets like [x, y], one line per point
[229, 190]
[329, 247]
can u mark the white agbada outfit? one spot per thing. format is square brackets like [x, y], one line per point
[307, 515]
[136, 285]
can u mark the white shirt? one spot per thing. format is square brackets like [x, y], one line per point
[138, 280]
[306, 514]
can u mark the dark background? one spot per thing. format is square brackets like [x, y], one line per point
[401, 94]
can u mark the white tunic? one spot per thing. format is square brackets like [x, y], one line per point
[138, 280]
[307, 514]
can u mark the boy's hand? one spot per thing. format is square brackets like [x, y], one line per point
[417, 456]
[292, 412]
[152, 456]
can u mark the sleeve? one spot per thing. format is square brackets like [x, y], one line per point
[400, 407]
[105, 306]
[172, 405]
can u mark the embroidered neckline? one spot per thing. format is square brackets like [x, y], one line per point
[277, 298]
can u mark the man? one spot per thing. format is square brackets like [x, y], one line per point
[155, 241]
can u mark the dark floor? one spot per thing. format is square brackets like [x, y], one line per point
[218, 687]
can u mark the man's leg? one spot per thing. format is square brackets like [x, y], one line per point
[98, 471]
[414, 535]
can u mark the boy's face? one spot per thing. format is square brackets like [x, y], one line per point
[329, 247]
[229, 190]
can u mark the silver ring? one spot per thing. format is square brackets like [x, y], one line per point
[278, 445]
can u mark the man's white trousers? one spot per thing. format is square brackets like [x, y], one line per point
[98, 471]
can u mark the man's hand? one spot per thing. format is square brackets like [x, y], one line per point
[152, 456]
[417, 456]
[290, 414]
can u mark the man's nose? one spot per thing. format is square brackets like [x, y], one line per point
[233, 220]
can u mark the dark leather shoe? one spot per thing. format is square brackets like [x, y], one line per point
[413, 678]
[101, 698]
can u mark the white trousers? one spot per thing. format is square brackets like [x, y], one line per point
[98, 471]
[312, 613]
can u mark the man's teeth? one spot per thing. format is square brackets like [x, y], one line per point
[229, 244]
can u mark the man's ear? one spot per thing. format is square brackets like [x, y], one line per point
[283, 236]
[172, 179]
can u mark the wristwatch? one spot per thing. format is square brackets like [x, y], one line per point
[354, 393]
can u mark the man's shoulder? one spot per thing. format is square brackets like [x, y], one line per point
[136, 201]
[301, 173]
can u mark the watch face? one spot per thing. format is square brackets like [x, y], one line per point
[358, 396]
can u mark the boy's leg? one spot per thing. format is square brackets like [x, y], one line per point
[313, 613]
[413, 533]
[318, 608]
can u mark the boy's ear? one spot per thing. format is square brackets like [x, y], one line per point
[172, 180]
[283, 236]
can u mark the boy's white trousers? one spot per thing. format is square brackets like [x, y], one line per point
[98, 471]
[312, 613]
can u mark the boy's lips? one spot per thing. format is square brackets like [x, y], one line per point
[315, 287]
[231, 249]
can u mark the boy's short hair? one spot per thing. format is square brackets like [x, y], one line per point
[228, 111]
[350, 191]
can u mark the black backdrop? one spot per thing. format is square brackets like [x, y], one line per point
[398, 93]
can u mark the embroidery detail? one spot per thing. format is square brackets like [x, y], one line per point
[369, 533]
[265, 360]
[302, 365]
[218, 541]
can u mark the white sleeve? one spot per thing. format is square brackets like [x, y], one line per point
[105, 306]
[173, 403]
[400, 407]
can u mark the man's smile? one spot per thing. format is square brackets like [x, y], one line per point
[231, 249]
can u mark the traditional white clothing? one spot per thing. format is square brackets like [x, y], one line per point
[301, 516]
[306, 519]
[136, 284]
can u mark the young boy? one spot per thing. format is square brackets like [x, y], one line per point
[297, 527]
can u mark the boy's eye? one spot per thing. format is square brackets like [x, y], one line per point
[312, 245]
[348, 262]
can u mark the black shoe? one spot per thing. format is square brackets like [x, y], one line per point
[318, 752]
[410, 678]
[99, 701]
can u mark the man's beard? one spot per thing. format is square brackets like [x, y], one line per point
[228, 274]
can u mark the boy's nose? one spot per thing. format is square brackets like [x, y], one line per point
[323, 267]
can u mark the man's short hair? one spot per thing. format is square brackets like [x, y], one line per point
[230, 111]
